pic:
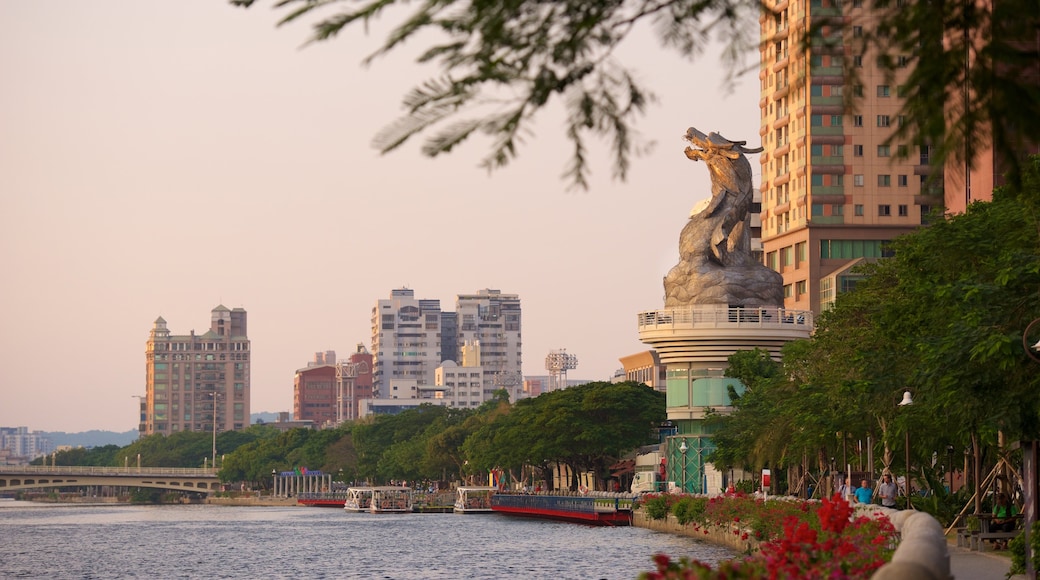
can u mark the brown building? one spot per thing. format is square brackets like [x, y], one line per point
[833, 191]
[197, 382]
[328, 392]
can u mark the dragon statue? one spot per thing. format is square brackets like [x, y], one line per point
[716, 265]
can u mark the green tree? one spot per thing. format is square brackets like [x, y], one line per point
[502, 62]
[586, 427]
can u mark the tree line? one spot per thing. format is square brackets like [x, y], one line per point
[587, 428]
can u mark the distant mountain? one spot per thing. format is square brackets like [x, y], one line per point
[93, 438]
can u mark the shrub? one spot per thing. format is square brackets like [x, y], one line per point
[818, 540]
[689, 509]
[657, 506]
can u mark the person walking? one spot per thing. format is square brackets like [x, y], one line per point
[888, 490]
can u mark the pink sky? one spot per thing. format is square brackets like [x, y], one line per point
[144, 146]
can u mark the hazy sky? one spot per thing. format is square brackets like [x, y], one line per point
[161, 158]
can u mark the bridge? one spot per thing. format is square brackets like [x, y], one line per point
[22, 477]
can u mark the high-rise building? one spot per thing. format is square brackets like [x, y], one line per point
[491, 320]
[411, 338]
[197, 382]
[834, 192]
[406, 340]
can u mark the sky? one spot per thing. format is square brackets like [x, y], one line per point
[162, 158]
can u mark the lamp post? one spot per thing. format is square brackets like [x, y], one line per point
[682, 449]
[274, 482]
[906, 402]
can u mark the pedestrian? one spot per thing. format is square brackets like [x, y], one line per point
[888, 490]
[863, 493]
[843, 490]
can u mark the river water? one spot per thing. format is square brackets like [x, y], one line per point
[203, 541]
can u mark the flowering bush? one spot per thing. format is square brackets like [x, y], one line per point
[810, 540]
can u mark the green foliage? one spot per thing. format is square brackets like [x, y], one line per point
[689, 509]
[586, 427]
[657, 506]
[1017, 549]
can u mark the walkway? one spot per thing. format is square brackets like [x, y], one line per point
[968, 565]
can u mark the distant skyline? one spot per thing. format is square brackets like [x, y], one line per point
[159, 159]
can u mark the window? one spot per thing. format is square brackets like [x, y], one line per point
[857, 120]
[857, 150]
[901, 180]
[903, 210]
[857, 180]
[884, 210]
[835, 120]
[901, 91]
[837, 150]
[883, 151]
[882, 121]
[884, 180]
[837, 209]
[857, 60]
[817, 179]
[903, 61]
[857, 31]
[882, 91]
[857, 90]
[800, 287]
[858, 209]
[901, 119]
[902, 151]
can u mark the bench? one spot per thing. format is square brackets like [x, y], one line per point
[978, 540]
[964, 538]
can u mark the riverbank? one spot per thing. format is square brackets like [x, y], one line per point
[731, 538]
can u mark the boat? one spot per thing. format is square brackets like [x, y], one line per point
[599, 508]
[359, 499]
[473, 499]
[335, 499]
[391, 499]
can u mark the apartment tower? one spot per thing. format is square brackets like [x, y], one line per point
[197, 382]
[834, 192]
[406, 341]
[491, 320]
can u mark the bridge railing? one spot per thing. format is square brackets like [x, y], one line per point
[89, 470]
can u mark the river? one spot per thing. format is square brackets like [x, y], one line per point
[204, 541]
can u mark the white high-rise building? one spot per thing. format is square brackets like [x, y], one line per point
[411, 338]
[492, 320]
[406, 340]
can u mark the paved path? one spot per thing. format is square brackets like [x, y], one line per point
[968, 565]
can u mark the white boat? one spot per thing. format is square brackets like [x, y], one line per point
[391, 499]
[359, 499]
[473, 499]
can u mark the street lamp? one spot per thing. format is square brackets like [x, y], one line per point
[682, 449]
[906, 402]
